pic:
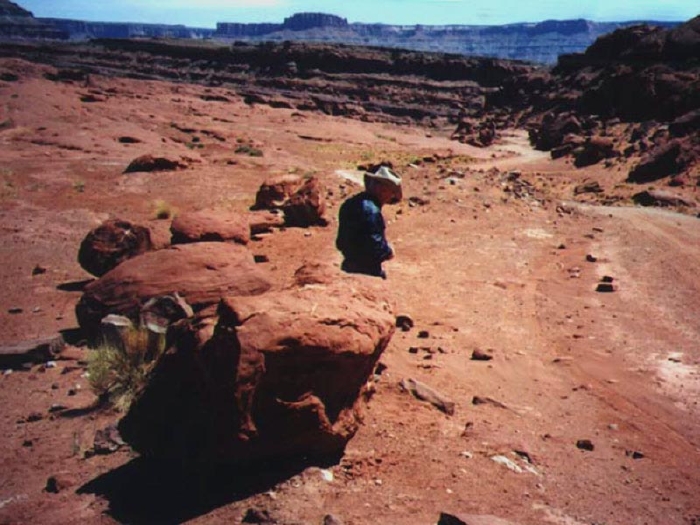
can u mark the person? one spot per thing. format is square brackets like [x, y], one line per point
[361, 226]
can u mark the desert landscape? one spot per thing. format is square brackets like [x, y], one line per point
[533, 356]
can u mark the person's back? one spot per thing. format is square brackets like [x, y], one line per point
[361, 225]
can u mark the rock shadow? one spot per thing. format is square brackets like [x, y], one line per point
[151, 492]
[74, 286]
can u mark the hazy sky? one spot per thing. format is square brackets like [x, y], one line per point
[205, 13]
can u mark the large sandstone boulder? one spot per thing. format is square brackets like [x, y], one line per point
[280, 375]
[111, 243]
[274, 192]
[307, 206]
[201, 273]
[208, 226]
[661, 162]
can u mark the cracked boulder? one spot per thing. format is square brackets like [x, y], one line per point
[201, 273]
[281, 375]
[111, 243]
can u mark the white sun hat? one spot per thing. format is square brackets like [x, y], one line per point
[384, 173]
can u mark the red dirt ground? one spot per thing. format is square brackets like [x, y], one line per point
[477, 266]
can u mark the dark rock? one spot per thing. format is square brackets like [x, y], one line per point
[425, 393]
[158, 313]
[31, 352]
[593, 151]
[111, 243]
[257, 516]
[15, 310]
[481, 400]
[107, 441]
[307, 206]
[278, 375]
[208, 226]
[585, 444]
[129, 140]
[404, 322]
[659, 163]
[606, 287]
[329, 519]
[38, 270]
[661, 198]
[423, 334]
[588, 187]
[200, 273]
[59, 482]
[591, 258]
[634, 454]
[449, 519]
[480, 355]
[149, 163]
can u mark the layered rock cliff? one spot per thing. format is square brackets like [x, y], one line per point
[16, 22]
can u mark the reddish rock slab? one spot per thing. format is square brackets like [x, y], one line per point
[201, 273]
[274, 192]
[279, 375]
[307, 206]
[111, 243]
[210, 226]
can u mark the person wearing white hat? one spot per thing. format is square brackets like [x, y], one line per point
[361, 226]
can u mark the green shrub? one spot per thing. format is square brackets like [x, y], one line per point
[117, 373]
[247, 149]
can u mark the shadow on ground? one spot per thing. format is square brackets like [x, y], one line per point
[148, 492]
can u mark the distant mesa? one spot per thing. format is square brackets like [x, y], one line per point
[16, 22]
[541, 42]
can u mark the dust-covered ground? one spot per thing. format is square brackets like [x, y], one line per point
[493, 253]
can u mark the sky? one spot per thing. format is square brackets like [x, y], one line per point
[206, 13]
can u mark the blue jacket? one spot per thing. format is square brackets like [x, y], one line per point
[361, 234]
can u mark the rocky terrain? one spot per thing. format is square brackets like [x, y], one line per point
[532, 357]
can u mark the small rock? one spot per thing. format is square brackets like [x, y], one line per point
[261, 259]
[329, 519]
[33, 417]
[585, 444]
[508, 463]
[423, 334]
[606, 287]
[613, 426]
[607, 279]
[634, 454]
[51, 364]
[466, 454]
[480, 355]
[56, 407]
[425, 393]
[72, 392]
[404, 322]
[7, 372]
[15, 310]
[478, 400]
[38, 270]
[27, 443]
[59, 482]
[591, 258]
[257, 516]
[561, 247]
[327, 475]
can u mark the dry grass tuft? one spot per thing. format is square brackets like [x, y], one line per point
[117, 372]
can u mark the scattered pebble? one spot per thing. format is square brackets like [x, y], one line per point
[585, 444]
[15, 310]
[591, 258]
[51, 364]
[480, 355]
[423, 334]
[327, 475]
